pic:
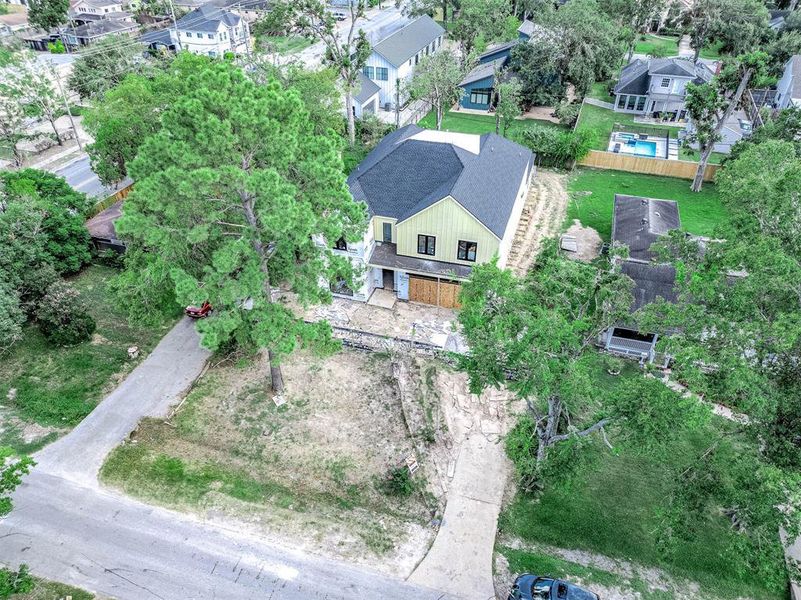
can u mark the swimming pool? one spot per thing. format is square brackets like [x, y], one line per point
[644, 148]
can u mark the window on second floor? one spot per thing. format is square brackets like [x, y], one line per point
[188, 34]
[381, 73]
[211, 36]
[426, 244]
[467, 251]
[341, 244]
[368, 72]
[665, 83]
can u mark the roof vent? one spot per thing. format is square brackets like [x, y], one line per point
[643, 202]
[645, 221]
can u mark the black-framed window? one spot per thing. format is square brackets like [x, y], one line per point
[480, 96]
[426, 244]
[387, 232]
[621, 101]
[467, 250]
[368, 72]
[381, 74]
[341, 244]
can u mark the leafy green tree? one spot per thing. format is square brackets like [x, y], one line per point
[509, 97]
[539, 330]
[536, 68]
[634, 16]
[48, 14]
[785, 125]
[738, 24]
[483, 20]
[111, 59]
[237, 194]
[437, 79]
[11, 317]
[15, 582]
[12, 126]
[127, 114]
[345, 54]
[63, 317]
[12, 470]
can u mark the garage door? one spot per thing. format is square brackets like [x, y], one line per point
[428, 290]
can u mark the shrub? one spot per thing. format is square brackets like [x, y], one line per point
[62, 316]
[567, 113]
[11, 318]
[57, 47]
[34, 286]
[370, 130]
[15, 582]
[398, 482]
[557, 148]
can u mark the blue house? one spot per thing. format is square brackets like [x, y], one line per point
[478, 83]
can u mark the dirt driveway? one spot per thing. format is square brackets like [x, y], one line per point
[542, 218]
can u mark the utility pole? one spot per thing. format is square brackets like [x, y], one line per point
[67, 107]
[175, 26]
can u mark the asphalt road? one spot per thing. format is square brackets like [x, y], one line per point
[80, 176]
[68, 528]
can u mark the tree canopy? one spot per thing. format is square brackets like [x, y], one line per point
[105, 65]
[237, 194]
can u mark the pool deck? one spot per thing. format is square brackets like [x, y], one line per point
[647, 147]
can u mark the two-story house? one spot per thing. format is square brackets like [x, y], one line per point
[788, 89]
[439, 203]
[393, 59]
[657, 87]
[212, 31]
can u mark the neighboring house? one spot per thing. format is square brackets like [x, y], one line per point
[96, 7]
[657, 87]
[212, 31]
[13, 22]
[393, 59]
[366, 99]
[479, 83]
[102, 231]
[439, 203]
[638, 223]
[88, 34]
[788, 90]
[737, 127]
[160, 39]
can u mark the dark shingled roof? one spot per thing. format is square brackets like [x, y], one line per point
[101, 226]
[651, 281]
[483, 70]
[635, 76]
[101, 28]
[400, 46]
[207, 18]
[403, 176]
[639, 222]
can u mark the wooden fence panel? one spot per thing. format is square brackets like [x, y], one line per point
[431, 291]
[449, 295]
[641, 164]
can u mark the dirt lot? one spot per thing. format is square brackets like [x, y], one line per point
[305, 473]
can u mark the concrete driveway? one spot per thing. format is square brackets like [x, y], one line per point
[67, 528]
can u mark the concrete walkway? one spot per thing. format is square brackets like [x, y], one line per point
[684, 47]
[460, 560]
[149, 390]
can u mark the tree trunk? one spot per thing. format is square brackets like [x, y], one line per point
[631, 51]
[349, 111]
[698, 180]
[445, 11]
[696, 54]
[276, 377]
[58, 137]
[439, 115]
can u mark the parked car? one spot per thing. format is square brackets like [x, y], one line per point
[533, 587]
[339, 16]
[198, 312]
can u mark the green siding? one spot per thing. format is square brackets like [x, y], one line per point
[378, 229]
[449, 223]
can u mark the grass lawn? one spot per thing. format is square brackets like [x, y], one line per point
[600, 91]
[286, 44]
[52, 590]
[614, 508]
[646, 44]
[712, 51]
[593, 193]
[56, 387]
[470, 123]
[602, 121]
[693, 155]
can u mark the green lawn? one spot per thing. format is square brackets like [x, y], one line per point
[646, 44]
[693, 155]
[52, 590]
[593, 193]
[286, 44]
[479, 124]
[712, 51]
[600, 91]
[614, 507]
[59, 386]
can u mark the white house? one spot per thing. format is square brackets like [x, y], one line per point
[365, 98]
[394, 58]
[212, 31]
[97, 7]
[788, 90]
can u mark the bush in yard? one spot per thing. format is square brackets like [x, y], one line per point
[62, 316]
[11, 317]
[34, 286]
[398, 482]
[557, 148]
[567, 113]
[15, 582]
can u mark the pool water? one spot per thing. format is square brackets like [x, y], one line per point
[644, 148]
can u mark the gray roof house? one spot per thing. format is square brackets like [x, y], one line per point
[365, 101]
[638, 223]
[438, 203]
[657, 86]
[84, 35]
[394, 58]
[212, 31]
[788, 89]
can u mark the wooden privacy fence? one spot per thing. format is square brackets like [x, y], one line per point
[111, 200]
[434, 291]
[641, 164]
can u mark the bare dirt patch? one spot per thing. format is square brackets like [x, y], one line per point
[588, 242]
[305, 473]
[542, 218]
